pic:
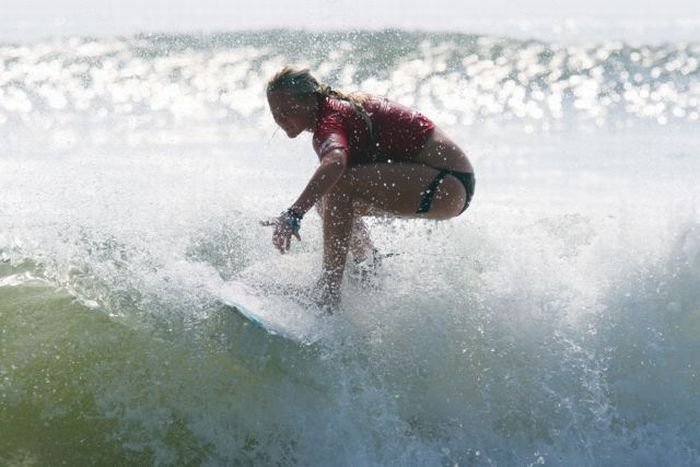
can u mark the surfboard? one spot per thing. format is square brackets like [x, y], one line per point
[276, 313]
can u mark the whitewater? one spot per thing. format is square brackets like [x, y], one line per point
[555, 323]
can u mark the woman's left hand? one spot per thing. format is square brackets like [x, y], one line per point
[283, 231]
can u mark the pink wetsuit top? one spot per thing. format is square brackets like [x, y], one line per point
[398, 133]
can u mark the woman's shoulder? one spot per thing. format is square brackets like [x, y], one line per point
[386, 105]
[333, 105]
[334, 112]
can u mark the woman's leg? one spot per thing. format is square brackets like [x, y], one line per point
[395, 189]
[337, 217]
[361, 245]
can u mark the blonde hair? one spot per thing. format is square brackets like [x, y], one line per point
[300, 81]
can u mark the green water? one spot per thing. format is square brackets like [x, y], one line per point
[80, 388]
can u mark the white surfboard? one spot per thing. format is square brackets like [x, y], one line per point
[277, 314]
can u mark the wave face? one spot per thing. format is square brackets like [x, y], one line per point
[555, 323]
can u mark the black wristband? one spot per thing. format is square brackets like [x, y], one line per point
[293, 213]
[293, 219]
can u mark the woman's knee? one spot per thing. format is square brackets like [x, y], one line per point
[449, 199]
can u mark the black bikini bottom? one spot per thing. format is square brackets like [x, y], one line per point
[467, 179]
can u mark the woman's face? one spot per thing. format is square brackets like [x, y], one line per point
[293, 114]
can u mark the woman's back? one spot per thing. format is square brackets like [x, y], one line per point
[388, 131]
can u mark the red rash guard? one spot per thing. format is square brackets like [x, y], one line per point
[398, 132]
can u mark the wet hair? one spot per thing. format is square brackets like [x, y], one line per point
[300, 82]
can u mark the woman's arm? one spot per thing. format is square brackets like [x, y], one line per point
[332, 167]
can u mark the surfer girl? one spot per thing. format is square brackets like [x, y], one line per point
[377, 158]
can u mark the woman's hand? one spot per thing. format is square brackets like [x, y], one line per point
[286, 226]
